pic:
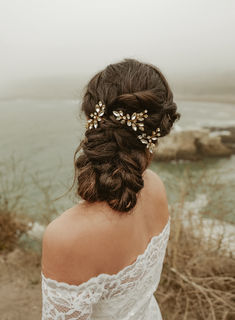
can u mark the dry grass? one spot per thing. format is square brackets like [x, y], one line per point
[198, 278]
[15, 220]
[11, 230]
[12, 187]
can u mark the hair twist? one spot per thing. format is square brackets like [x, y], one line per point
[113, 160]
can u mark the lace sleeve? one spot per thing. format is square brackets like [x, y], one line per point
[63, 301]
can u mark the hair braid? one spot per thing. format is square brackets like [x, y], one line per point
[113, 160]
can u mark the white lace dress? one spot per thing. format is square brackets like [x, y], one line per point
[126, 295]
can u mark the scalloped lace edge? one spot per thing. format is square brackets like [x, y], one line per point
[115, 275]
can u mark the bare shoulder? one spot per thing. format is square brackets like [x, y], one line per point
[67, 243]
[155, 183]
[80, 243]
[156, 194]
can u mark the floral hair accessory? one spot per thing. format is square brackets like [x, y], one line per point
[148, 140]
[96, 116]
[134, 120]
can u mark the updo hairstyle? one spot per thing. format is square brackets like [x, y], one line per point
[112, 160]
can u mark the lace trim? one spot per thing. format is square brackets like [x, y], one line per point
[104, 276]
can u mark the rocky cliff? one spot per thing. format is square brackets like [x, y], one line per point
[194, 144]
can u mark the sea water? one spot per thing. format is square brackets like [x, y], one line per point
[38, 139]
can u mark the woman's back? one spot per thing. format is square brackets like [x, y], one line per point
[102, 259]
[95, 240]
[114, 274]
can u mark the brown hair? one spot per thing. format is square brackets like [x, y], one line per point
[113, 160]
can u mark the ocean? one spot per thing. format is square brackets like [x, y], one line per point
[39, 138]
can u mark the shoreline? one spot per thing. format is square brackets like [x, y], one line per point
[226, 99]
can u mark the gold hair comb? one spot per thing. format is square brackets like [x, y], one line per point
[96, 116]
[148, 140]
[134, 120]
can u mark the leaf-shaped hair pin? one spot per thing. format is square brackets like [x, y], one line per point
[134, 120]
[148, 140]
[96, 116]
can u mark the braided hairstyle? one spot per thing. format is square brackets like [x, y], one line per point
[113, 160]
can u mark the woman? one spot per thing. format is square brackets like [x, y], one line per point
[102, 258]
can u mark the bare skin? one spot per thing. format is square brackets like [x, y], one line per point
[89, 239]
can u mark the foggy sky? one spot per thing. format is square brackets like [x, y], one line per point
[56, 37]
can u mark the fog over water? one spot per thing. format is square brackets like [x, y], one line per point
[50, 49]
[43, 135]
[191, 41]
